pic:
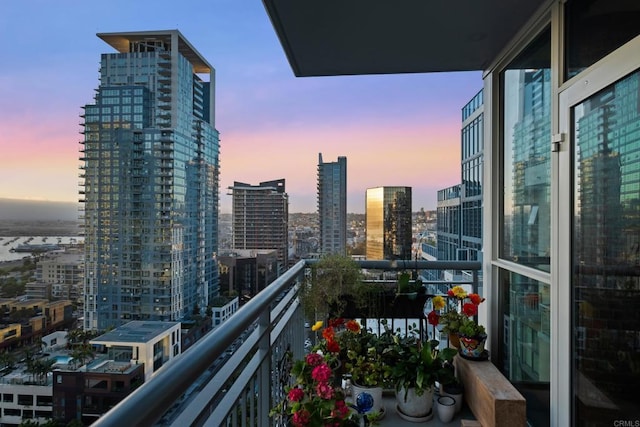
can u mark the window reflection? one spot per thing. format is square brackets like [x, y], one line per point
[526, 88]
[606, 241]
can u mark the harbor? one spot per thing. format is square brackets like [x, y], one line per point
[14, 248]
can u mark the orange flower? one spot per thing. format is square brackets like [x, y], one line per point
[476, 299]
[328, 333]
[353, 326]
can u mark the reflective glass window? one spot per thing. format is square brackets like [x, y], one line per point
[526, 101]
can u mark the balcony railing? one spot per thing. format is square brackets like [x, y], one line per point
[233, 375]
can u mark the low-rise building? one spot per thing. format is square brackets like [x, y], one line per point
[152, 343]
[87, 393]
[22, 399]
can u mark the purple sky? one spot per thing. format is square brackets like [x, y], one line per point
[395, 130]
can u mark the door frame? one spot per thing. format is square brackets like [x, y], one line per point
[615, 66]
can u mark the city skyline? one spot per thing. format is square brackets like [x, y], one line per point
[395, 129]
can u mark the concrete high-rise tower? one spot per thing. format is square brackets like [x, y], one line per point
[260, 218]
[332, 205]
[388, 223]
[150, 163]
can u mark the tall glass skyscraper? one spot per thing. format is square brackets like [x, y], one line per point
[150, 163]
[388, 223]
[332, 205]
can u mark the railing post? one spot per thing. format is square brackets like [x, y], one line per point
[264, 347]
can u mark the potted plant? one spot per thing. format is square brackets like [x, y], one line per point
[450, 385]
[314, 399]
[332, 281]
[407, 286]
[472, 338]
[415, 366]
[453, 310]
[365, 361]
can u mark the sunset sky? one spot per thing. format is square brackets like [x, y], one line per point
[395, 130]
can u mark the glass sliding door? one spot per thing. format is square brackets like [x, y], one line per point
[605, 291]
[600, 262]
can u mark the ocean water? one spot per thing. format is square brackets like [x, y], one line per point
[9, 242]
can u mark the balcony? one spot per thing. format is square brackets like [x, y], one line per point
[234, 374]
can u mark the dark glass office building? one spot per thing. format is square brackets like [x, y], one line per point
[388, 223]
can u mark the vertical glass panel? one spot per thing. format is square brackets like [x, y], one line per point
[595, 28]
[606, 255]
[526, 341]
[526, 91]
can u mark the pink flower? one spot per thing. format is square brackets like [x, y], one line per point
[314, 359]
[296, 394]
[301, 418]
[324, 390]
[321, 373]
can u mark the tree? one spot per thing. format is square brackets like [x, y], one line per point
[7, 360]
[331, 280]
[81, 353]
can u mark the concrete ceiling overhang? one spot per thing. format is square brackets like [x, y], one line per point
[345, 37]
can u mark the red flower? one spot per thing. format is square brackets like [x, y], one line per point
[476, 299]
[314, 359]
[321, 373]
[334, 323]
[296, 394]
[450, 293]
[433, 318]
[328, 333]
[324, 390]
[469, 309]
[341, 410]
[333, 346]
[301, 418]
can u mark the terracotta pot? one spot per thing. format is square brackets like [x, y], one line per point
[454, 340]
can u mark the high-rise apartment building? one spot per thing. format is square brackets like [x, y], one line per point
[388, 223]
[260, 218]
[459, 210]
[332, 205]
[150, 163]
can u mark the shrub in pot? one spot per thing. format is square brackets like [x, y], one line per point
[415, 366]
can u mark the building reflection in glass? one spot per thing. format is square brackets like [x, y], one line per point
[388, 222]
[606, 255]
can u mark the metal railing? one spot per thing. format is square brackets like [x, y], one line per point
[232, 376]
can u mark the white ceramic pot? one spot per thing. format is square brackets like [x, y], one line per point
[446, 408]
[457, 396]
[412, 405]
[361, 398]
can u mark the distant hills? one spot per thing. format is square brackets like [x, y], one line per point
[37, 210]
